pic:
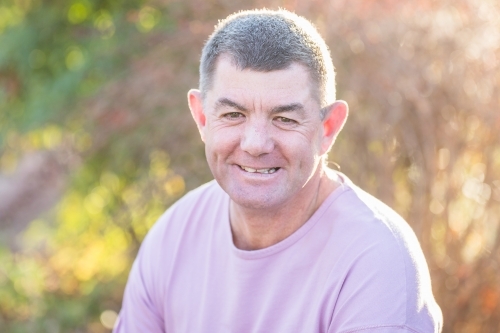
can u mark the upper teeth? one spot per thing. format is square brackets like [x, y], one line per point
[270, 170]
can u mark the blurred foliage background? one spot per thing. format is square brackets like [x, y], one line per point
[96, 141]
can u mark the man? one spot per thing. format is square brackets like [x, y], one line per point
[278, 242]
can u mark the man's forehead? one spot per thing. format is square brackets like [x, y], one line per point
[226, 61]
[293, 81]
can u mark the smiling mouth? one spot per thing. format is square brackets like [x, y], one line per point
[264, 171]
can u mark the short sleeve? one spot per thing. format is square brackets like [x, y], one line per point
[386, 291]
[139, 313]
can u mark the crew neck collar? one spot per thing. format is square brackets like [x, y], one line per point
[294, 237]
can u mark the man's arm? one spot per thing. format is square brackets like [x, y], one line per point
[139, 312]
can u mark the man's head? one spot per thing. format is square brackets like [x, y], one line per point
[264, 40]
[264, 81]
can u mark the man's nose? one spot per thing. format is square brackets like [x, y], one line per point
[257, 139]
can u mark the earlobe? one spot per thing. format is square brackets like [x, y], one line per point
[335, 118]
[195, 102]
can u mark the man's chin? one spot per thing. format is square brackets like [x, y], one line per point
[256, 201]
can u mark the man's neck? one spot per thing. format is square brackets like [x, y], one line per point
[255, 229]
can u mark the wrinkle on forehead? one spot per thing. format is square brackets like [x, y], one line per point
[277, 91]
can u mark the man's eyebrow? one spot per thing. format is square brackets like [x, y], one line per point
[288, 108]
[227, 102]
[277, 109]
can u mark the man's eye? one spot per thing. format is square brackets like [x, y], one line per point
[233, 115]
[285, 120]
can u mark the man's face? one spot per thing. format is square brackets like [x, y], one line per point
[263, 134]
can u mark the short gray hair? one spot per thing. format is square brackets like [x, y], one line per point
[266, 40]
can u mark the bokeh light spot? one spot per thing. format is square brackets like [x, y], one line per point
[78, 12]
[74, 58]
[436, 207]
[104, 23]
[473, 247]
[357, 46]
[148, 18]
[108, 319]
[10, 16]
[51, 137]
[175, 186]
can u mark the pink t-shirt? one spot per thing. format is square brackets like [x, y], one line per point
[354, 266]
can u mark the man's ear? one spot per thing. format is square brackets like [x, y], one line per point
[196, 106]
[334, 119]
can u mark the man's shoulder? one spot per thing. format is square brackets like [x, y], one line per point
[195, 207]
[204, 197]
[373, 234]
[363, 211]
[382, 255]
[208, 191]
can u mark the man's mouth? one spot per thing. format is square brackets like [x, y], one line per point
[252, 170]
